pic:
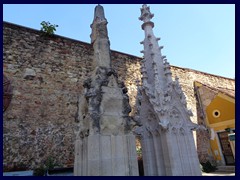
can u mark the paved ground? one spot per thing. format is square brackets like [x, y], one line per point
[29, 173]
[18, 173]
[219, 174]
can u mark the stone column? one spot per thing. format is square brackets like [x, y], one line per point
[105, 145]
[165, 124]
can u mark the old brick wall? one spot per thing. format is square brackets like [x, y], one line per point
[47, 76]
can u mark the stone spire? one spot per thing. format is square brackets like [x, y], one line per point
[153, 64]
[146, 15]
[163, 113]
[99, 38]
[157, 76]
[104, 143]
[99, 12]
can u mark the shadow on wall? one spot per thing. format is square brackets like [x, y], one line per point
[202, 137]
[128, 70]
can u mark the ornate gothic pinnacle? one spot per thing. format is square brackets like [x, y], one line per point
[146, 15]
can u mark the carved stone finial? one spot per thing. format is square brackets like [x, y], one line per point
[99, 38]
[146, 15]
[99, 12]
[99, 24]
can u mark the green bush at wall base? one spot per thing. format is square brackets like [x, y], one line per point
[39, 171]
[208, 167]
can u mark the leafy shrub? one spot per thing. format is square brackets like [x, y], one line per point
[39, 171]
[48, 28]
[49, 164]
[208, 167]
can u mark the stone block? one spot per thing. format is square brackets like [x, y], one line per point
[108, 156]
[29, 74]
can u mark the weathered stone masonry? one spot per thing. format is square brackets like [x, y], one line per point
[47, 75]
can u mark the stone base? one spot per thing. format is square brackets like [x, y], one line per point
[183, 159]
[169, 154]
[102, 155]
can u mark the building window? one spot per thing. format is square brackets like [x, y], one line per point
[216, 113]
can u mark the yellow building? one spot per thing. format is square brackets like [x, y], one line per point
[216, 111]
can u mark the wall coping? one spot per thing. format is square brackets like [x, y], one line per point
[218, 89]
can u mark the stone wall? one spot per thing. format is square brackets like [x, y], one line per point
[205, 97]
[47, 74]
[187, 78]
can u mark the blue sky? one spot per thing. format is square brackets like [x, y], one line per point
[197, 36]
